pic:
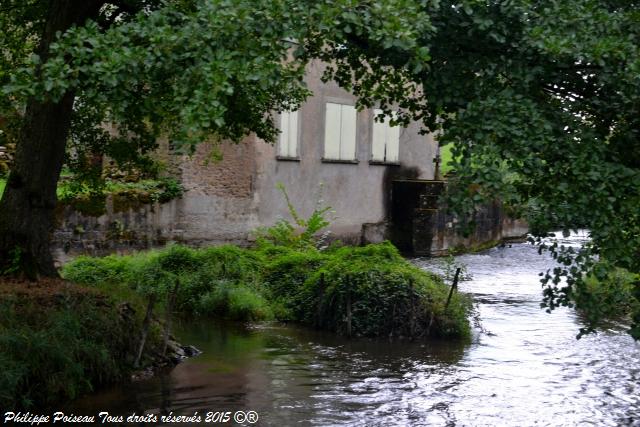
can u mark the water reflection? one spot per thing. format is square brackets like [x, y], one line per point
[524, 367]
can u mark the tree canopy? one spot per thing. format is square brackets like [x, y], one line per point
[541, 102]
[189, 70]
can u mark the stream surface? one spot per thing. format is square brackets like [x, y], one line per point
[524, 367]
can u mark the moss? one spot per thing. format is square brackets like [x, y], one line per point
[93, 204]
[129, 200]
[474, 248]
[124, 196]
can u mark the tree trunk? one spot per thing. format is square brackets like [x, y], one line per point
[27, 206]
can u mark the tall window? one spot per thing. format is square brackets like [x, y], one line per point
[288, 141]
[386, 140]
[340, 132]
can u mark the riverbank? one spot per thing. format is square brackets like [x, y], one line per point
[355, 291]
[60, 340]
[523, 367]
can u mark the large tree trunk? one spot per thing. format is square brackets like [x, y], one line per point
[27, 206]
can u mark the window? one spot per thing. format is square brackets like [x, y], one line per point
[386, 140]
[288, 141]
[340, 132]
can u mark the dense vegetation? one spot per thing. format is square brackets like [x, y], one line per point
[186, 69]
[58, 341]
[540, 103]
[543, 92]
[359, 291]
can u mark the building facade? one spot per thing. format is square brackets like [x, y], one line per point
[378, 180]
[326, 150]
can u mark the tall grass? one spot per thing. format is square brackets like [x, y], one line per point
[62, 349]
[363, 291]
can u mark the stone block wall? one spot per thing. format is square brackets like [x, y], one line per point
[421, 226]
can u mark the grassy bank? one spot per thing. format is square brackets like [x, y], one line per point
[60, 340]
[359, 291]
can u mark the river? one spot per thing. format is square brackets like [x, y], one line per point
[523, 367]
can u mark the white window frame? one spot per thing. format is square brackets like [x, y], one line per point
[289, 138]
[340, 132]
[385, 140]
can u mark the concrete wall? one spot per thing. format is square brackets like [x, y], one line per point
[358, 193]
[421, 225]
[491, 226]
[114, 232]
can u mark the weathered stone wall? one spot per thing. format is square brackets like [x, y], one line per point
[218, 206]
[133, 229]
[225, 170]
[420, 224]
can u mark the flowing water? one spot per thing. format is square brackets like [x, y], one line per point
[524, 367]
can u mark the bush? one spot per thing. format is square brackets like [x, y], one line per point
[111, 269]
[373, 291]
[200, 273]
[612, 296]
[286, 271]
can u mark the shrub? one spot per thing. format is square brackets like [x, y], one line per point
[302, 233]
[234, 302]
[286, 271]
[199, 272]
[111, 269]
[612, 296]
[372, 291]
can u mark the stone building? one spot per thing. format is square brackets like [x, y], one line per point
[326, 149]
[368, 172]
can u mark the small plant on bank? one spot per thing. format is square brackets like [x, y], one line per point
[449, 267]
[302, 233]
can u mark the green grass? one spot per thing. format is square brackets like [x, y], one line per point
[3, 183]
[445, 159]
[384, 294]
[59, 341]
